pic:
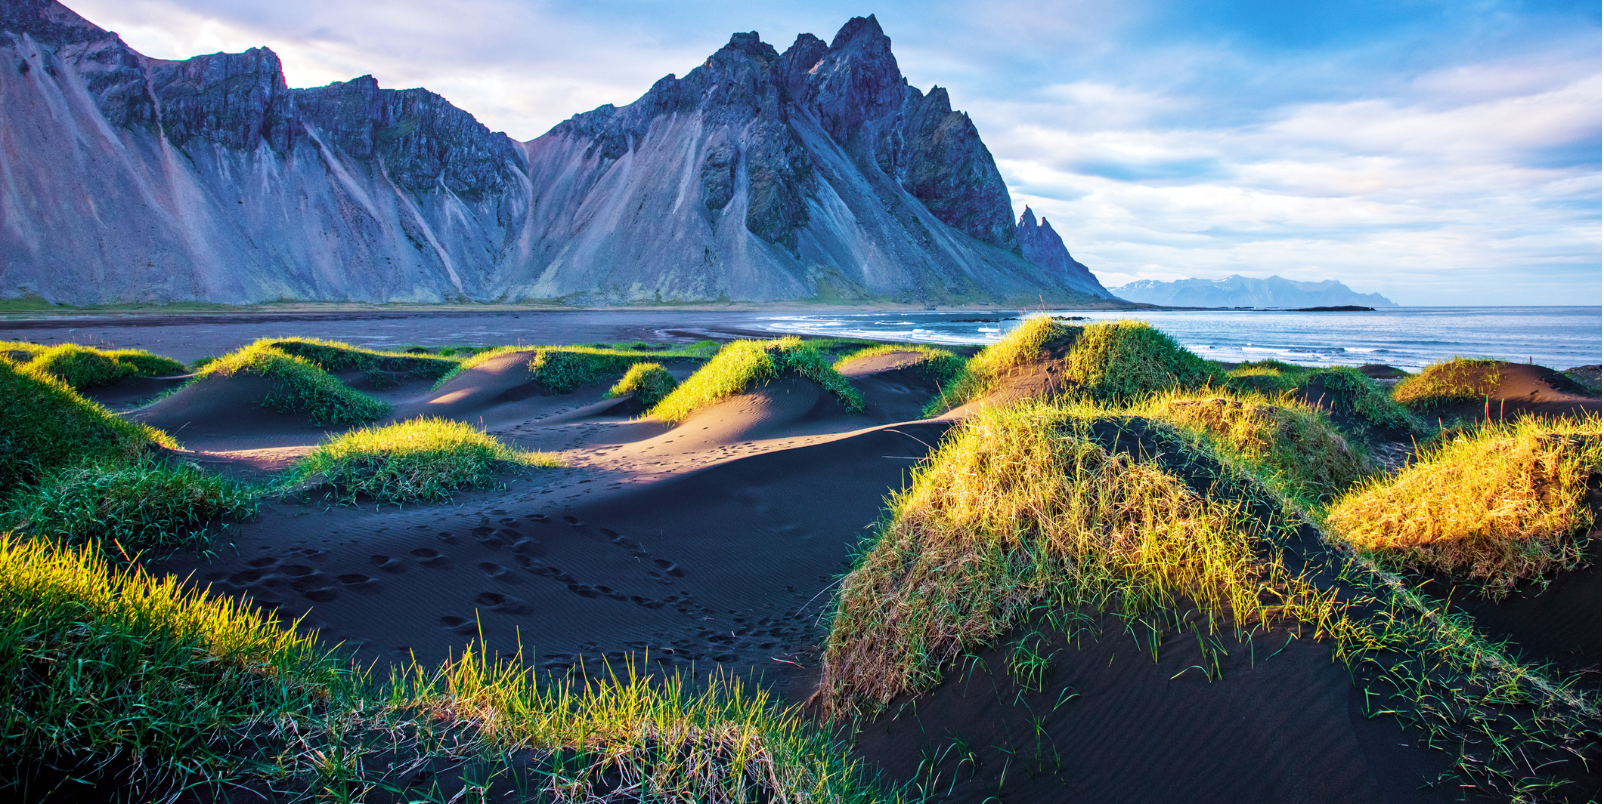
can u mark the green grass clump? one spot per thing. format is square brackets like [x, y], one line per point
[1292, 447]
[80, 366]
[649, 382]
[334, 356]
[1343, 389]
[45, 425]
[99, 663]
[419, 460]
[1268, 377]
[1124, 360]
[983, 373]
[741, 363]
[20, 351]
[1449, 382]
[1347, 389]
[176, 688]
[145, 364]
[1019, 505]
[1498, 504]
[297, 386]
[564, 368]
[132, 506]
[937, 365]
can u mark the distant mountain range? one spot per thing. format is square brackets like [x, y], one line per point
[1243, 291]
[813, 174]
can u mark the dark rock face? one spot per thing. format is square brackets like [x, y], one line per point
[758, 176]
[1044, 247]
[236, 100]
[424, 142]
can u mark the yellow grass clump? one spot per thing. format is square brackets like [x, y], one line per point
[1124, 360]
[1019, 504]
[1498, 504]
[649, 382]
[1291, 445]
[298, 385]
[740, 364]
[1026, 344]
[1461, 379]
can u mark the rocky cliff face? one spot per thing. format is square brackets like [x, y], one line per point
[816, 173]
[1041, 245]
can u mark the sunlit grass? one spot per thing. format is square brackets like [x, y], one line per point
[564, 368]
[1496, 504]
[297, 385]
[649, 382]
[1019, 505]
[1292, 446]
[172, 688]
[130, 506]
[1449, 382]
[937, 365]
[741, 364]
[334, 356]
[983, 373]
[1123, 360]
[45, 425]
[422, 460]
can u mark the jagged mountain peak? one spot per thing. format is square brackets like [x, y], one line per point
[818, 172]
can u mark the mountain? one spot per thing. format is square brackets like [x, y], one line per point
[1041, 245]
[813, 174]
[1243, 291]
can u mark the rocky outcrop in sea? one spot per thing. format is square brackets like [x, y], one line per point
[818, 173]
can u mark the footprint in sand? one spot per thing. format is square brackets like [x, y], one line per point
[573, 521]
[670, 568]
[502, 604]
[321, 595]
[446, 537]
[388, 564]
[529, 547]
[295, 570]
[496, 571]
[584, 590]
[264, 561]
[359, 583]
[430, 557]
[461, 625]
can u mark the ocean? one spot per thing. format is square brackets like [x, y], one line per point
[1406, 337]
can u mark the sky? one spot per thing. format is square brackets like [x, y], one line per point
[1440, 153]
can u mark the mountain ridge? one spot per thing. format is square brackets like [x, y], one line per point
[1243, 291]
[818, 174]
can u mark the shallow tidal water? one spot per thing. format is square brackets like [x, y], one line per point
[1406, 337]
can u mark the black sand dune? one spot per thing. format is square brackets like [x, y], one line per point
[1113, 725]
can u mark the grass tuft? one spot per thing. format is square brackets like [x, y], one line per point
[1124, 360]
[1498, 504]
[334, 356]
[81, 367]
[937, 365]
[104, 663]
[298, 386]
[137, 505]
[1292, 447]
[741, 363]
[422, 460]
[1018, 504]
[112, 671]
[1449, 382]
[983, 373]
[649, 382]
[45, 425]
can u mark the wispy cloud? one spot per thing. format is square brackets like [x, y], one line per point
[1438, 152]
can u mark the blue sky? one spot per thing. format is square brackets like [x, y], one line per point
[1436, 152]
